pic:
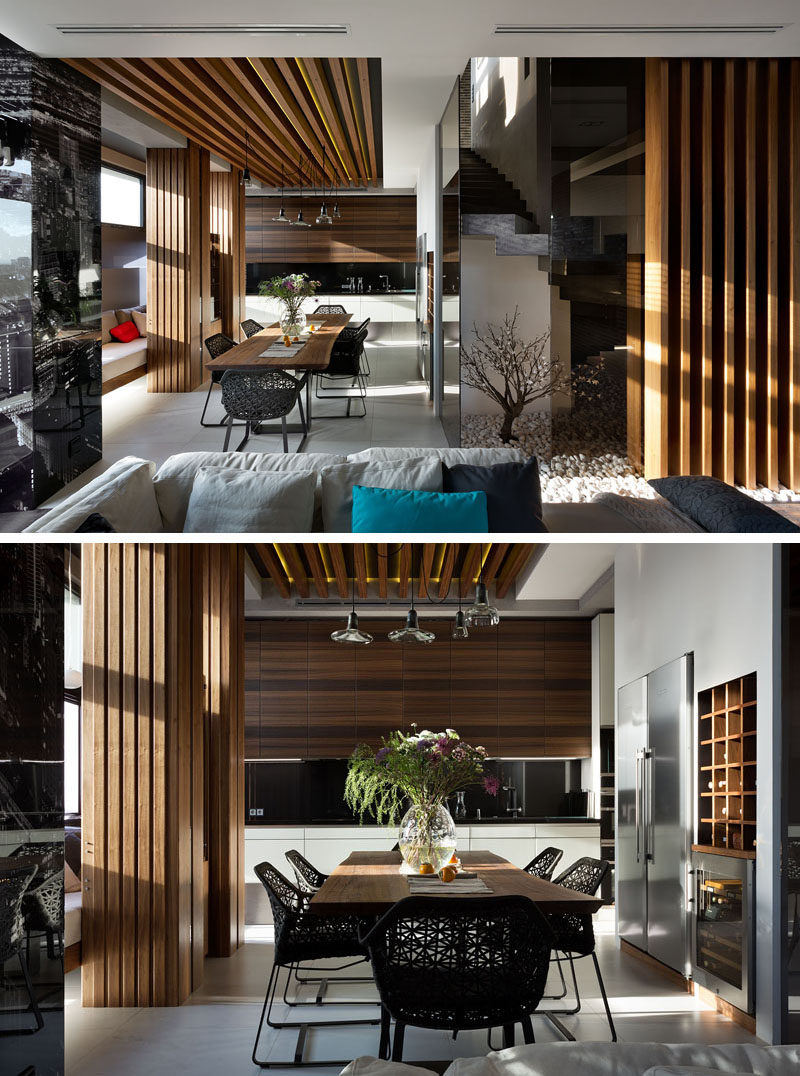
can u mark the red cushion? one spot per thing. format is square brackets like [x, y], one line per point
[125, 332]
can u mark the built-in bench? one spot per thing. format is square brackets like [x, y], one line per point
[122, 362]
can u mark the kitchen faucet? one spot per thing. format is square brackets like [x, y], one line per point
[512, 806]
[385, 278]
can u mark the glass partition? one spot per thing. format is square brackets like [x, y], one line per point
[451, 272]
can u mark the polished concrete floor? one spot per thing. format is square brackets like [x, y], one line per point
[213, 1032]
[157, 425]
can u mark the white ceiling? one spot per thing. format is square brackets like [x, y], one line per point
[568, 572]
[424, 44]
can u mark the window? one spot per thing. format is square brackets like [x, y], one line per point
[72, 757]
[121, 197]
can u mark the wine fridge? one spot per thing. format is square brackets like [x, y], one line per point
[722, 926]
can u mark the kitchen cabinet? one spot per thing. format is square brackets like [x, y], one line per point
[379, 685]
[426, 678]
[568, 688]
[252, 689]
[521, 688]
[473, 688]
[331, 693]
[283, 675]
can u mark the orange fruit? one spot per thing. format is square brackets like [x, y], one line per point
[454, 858]
[447, 874]
[426, 868]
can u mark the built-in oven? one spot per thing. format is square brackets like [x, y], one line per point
[722, 927]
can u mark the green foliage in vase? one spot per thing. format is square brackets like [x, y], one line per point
[291, 290]
[423, 767]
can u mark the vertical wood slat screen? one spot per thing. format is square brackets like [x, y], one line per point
[227, 220]
[721, 334]
[142, 733]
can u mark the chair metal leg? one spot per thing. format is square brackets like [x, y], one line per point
[601, 984]
[397, 1044]
[33, 1007]
[527, 1030]
[228, 433]
[205, 408]
[563, 994]
[508, 1036]
[577, 1007]
[283, 432]
[246, 437]
[386, 1024]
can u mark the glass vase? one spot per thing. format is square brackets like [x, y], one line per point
[293, 323]
[427, 838]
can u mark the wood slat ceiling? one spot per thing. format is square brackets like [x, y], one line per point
[289, 108]
[326, 569]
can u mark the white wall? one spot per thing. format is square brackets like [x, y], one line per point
[491, 287]
[504, 120]
[721, 602]
[427, 193]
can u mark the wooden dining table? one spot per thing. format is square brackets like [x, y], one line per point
[313, 357]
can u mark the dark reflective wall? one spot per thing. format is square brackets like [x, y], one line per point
[791, 795]
[31, 799]
[50, 369]
[451, 271]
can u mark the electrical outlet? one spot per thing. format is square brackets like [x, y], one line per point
[253, 812]
[260, 812]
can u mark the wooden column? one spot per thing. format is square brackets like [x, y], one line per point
[142, 739]
[223, 663]
[722, 191]
[226, 219]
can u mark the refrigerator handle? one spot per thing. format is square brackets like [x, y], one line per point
[649, 842]
[637, 803]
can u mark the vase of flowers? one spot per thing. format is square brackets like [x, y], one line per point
[422, 768]
[291, 290]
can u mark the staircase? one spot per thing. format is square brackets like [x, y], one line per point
[491, 205]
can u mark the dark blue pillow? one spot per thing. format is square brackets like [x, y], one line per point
[513, 493]
[95, 524]
[720, 508]
[409, 511]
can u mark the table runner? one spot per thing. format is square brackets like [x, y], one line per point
[432, 885]
[279, 348]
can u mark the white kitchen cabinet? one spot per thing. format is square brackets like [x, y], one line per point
[516, 843]
[404, 309]
[576, 841]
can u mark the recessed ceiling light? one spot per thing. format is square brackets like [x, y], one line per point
[602, 28]
[164, 29]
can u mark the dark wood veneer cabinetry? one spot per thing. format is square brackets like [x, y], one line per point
[522, 690]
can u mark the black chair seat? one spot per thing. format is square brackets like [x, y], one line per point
[215, 345]
[257, 397]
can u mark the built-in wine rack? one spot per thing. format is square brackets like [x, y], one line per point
[727, 761]
[607, 809]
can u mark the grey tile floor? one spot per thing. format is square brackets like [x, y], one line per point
[157, 425]
[213, 1032]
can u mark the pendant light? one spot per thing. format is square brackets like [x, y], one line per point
[246, 180]
[480, 614]
[281, 217]
[300, 223]
[324, 217]
[460, 625]
[352, 633]
[412, 632]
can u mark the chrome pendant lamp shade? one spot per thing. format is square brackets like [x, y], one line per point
[352, 633]
[300, 222]
[480, 614]
[460, 624]
[412, 632]
[324, 216]
[281, 217]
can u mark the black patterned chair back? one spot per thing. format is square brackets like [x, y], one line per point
[793, 860]
[259, 396]
[575, 933]
[218, 344]
[346, 353]
[13, 884]
[450, 962]
[300, 935]
[350, 332]
[309, 879]
[329, 308]
[250, 327]
[43, 905]
[543, 865]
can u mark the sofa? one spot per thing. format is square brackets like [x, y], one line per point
[606, 1059]
[132, 496]
[122, 362]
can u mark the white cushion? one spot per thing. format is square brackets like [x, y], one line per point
[126, 313]
[108, 321]
[139, 319]
[72, 918]
[479, 457]
[420, 473]
[124, 494]
[175, 477]
[225, 499]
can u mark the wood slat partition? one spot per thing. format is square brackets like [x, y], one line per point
[721, 363]
[226, 219]
[176, 240]
[222, 568]
[142, 738]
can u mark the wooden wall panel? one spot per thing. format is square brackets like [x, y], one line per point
[331, 693]
[143, 714]
[722, 190]
[426, 679]
[520, 685]
[371, 229]
[379, 677]
[283, 687]
[474, 688]
[568, 688]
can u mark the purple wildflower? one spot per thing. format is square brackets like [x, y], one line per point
[444, 745]
[491, 784]
[380, 757]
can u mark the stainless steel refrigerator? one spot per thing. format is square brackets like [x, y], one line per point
[654, 787]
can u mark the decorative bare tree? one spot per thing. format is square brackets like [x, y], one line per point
[510, 371]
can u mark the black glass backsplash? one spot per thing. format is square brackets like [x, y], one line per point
[333, 276]
[303, 793]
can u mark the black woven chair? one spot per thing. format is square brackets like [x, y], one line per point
[329, 308]
[43, 903]
[455, 965]
[13, 886]
[301, 936]
[256, 397]
[250, 327]
[216, 345]
[543, 865]
[345, 365]
[574, 934]
[793, 877]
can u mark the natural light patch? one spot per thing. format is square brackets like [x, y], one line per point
[509, 73]
[481, 81]
[657, 1005]
[260, 933]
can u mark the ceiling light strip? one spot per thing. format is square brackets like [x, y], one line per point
[203, 28]
[733, 28]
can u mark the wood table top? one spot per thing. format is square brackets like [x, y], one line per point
[316, 355]
[369, 883]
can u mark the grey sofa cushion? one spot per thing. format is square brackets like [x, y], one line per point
[480, 457]
[124, 494]
[720, 508]
[650, 514]
[175, 477]
[337, 485]
[233, 501]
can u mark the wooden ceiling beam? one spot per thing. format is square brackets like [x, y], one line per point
[403, 569]
[347, 109]
[312, 69]
[339, 569]
[494, 559]
[318, 573]
[470, 566]
[425, 569]
[294, 80]
[369, 121]
[446, 574]
[360, 569]
[271, 567]
[296, 568]
[383, 571]
[518, 557]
